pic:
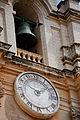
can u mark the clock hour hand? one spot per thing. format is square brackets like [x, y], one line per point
[36, 92]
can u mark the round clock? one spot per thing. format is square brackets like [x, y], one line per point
[36, 95]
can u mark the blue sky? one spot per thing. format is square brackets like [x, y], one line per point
[58, 1]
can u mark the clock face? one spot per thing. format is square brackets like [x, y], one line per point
[36, 95]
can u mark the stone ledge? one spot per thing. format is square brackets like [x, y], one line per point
[50, 70]
[39, 66]
[71, 61]
[4, 46]
[71, 46]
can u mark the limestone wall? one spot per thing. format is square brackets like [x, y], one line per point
[67, 87]
[7, 23]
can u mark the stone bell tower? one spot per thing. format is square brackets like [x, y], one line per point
[42, 39]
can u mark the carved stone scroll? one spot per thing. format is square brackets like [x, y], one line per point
[75, 113]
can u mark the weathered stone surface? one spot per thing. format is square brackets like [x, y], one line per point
[59, 47]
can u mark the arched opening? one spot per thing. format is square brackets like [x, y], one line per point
[26, 16]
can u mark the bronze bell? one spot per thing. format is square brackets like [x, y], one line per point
[25, 38]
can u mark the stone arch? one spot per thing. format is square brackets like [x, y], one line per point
[37, 4]
[42, 12]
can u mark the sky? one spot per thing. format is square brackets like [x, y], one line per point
[58, 1]
[63, 0]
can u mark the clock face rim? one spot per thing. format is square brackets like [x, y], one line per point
[25, 107]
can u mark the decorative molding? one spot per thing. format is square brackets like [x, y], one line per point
[68, 73]
[76, 71]
[17, 60]
[4, 46]
[71, 54]
[69, 51]
[32, 64]
[9, 55]
[43, 2]
[66, 14]
[40, 66]
[75, 113]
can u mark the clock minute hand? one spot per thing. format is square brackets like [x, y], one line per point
[31, 87]
[43, 89]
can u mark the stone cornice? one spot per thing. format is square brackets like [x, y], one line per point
[71, 60]
[4, 46]
[50, 70]
[38, 66]
[71, 46]
[59, 73]
[66, 14]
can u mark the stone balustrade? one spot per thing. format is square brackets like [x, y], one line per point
[29, 55]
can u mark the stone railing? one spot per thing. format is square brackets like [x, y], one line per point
[29, 55]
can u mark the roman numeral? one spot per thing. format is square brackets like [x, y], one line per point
[29, 104]
[21, 80]
[53, 97]
[22, 96]
[24, 77]
[19, 88]
[43, 82]
[28, 76]
[39, 109]
[50, 89]
[53, 105]
[35, 77]
[47, 109]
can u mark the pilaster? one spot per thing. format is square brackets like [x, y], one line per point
[7, 24]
